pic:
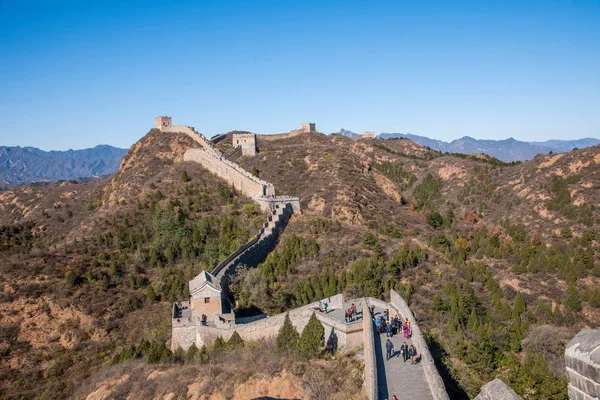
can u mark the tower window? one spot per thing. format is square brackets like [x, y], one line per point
[206, 300]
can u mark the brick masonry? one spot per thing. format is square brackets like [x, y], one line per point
[582, 357]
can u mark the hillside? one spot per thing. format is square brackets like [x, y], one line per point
[494, 259]
[507, 150]
[20, 165]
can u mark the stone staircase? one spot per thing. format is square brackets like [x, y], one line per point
[256, 250]
[233, 154]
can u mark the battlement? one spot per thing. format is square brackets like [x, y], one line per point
[309, 127]
[162, 122]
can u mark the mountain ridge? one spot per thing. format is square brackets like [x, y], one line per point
[20, 165]
[506, 150]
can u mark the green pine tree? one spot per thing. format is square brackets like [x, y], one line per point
[519, 305]
[235, 341]
[218, 345]
[312, 339]
[572, 299]
[288, 337]
[192, 354]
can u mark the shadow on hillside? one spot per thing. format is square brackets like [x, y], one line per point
[438, 353]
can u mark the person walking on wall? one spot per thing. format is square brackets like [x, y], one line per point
[407, 323]
[412, 352]
[405, 329]
[388, 330]
[404, 351]
[389, 349]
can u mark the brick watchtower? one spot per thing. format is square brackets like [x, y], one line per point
[162, 122]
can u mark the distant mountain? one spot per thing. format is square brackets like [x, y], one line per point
[29, 164]
[347, 133]
[568, 145]
[505, 150]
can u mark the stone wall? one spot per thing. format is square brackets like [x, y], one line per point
[335, 331]
[278, 136]
[370, 369]
[268, 203]
[247, 141]
[255, 251]
[497, 390]
[232, 173]
[191, 132]
[582, 357]
[436, 384]
[183, 336]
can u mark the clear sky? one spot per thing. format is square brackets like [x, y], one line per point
[75, 74]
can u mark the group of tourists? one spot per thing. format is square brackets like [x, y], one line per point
[391, 325]
[350, 315]
[406, 351]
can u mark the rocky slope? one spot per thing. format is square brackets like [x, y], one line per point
[89, 269]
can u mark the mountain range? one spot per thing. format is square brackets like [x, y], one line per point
[506, 150]
[29, 164]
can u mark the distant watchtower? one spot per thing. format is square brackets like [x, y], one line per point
[370, 135]
[162, 122]
[309, 127]
[247, 141]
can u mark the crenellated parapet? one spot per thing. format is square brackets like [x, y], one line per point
[582, 357]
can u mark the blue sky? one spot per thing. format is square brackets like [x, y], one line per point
[75, 74]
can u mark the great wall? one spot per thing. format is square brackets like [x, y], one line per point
[208, 313]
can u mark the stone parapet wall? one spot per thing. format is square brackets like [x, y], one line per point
[183, 336]
[255, 251]
[370, 369]
[497, 390]
[233, 174]
[279, 136]
[582, 357]
[436, 384]
[196, 136]
[269, 327]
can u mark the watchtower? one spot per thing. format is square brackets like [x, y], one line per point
[370, 135]
[162, 122]
[309, 127]
[206, 294]
[247, 141]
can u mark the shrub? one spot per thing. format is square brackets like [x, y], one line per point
[192, 354]
[369, 239]
[235, 341]
[288, 337]
[572, 299]
[435, 219]
[185, 177]
[312, 339]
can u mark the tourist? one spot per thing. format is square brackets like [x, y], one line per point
[388, 330]
[394, 325]
[405, 329]
[404, 351]
[325, 305]
[394, 397]
[377, 325]
[389, 348]
[412, 353]
[386, 314]
[407, 323]
[373, 311]
[346, 316]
